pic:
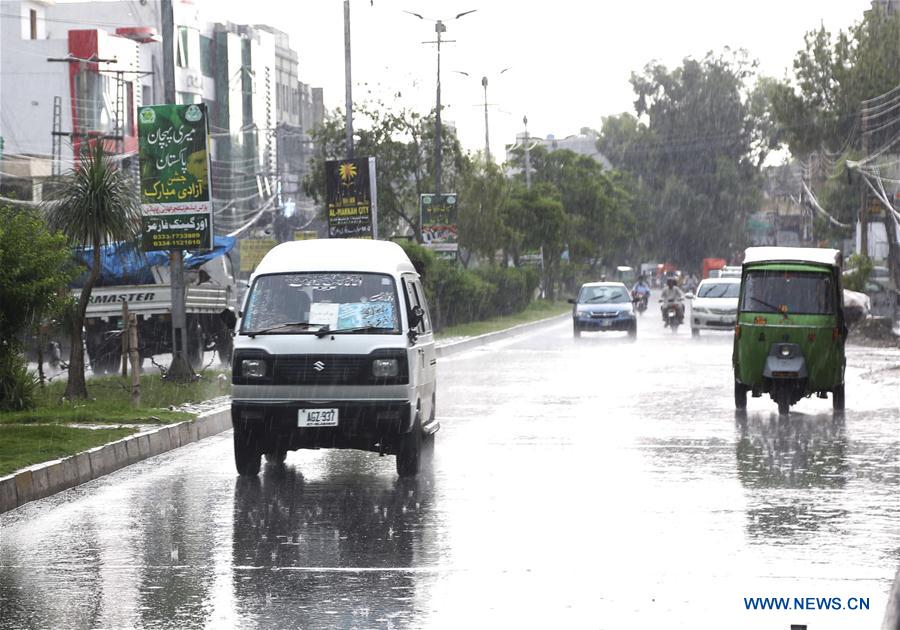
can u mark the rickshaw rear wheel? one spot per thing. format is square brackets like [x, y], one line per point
[740, 396]
[837, 398]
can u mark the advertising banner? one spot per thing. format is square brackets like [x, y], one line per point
[352, 198]
[437, 216]
[176, 210]
[252, 251]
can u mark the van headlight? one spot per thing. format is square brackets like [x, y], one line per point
[253, 368]
[385, 368]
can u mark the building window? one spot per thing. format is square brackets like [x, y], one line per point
[182, 53]
[206, 64]
[32, 16]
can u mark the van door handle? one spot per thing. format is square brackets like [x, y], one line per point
[434, 362]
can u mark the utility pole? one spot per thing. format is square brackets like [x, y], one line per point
[348, 85]
[864, 196]
[180, 370]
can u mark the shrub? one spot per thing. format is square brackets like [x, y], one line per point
[458, 296]
[18, 386]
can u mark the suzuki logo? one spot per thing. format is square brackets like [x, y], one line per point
[318, 366]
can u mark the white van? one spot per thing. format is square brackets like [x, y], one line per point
[334, 349]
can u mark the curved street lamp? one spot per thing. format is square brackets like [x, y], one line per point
[439, 28]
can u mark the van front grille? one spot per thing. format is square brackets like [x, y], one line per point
[320, 369]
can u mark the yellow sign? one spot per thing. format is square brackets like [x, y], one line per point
[253, 250]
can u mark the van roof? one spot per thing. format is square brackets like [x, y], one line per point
[336, 254]
[830, 257]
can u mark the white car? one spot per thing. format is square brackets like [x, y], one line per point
[714, 305]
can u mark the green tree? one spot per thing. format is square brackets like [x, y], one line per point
[696, 145]
[536, 220]
[819, 110]
[597, 204]
[34, 270]
[96, 205]
[483, 195]
[402, 142]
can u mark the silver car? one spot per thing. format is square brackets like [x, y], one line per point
[714, 306]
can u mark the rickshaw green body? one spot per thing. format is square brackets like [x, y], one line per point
[763, 329]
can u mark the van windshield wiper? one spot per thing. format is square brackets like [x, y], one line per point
[263, 331]
[360, 329]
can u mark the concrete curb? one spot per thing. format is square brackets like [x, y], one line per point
[43, 480]
[455, 347]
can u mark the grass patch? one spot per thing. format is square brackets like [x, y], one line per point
[24, 445]
[110, 402]
[538, 309]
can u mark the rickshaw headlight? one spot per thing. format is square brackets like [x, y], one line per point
[785, 352]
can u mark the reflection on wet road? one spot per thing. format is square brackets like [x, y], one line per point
[593, 483]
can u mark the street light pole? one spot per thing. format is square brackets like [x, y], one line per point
[438, 148]
[439, 28]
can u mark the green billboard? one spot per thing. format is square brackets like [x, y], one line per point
[176, 208]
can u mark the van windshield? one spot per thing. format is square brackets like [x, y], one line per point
[788, 292]
[339, 302]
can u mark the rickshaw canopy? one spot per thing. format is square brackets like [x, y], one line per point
[830, 257]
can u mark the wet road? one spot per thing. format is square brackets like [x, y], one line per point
[594, 483]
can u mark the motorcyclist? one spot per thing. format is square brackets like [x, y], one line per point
[690, 283]
[672, 295]
[641, 291]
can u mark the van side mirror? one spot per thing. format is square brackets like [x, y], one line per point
[416, 315]
[571, 300]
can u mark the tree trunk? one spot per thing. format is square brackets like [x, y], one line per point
[76, 388]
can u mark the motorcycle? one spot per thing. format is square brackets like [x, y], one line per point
[673, 314]
[640, 300]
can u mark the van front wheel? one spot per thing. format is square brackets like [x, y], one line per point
[246, 454]
[409, 455]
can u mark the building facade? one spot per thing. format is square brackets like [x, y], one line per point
[247, 76]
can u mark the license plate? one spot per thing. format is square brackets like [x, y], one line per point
[317, 418]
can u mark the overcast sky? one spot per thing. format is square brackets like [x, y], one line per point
[570, 60]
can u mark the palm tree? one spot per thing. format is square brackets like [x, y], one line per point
[96, 204]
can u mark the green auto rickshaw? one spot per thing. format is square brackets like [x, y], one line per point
[790, 332]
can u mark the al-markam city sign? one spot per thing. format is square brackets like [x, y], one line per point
[176, 209]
